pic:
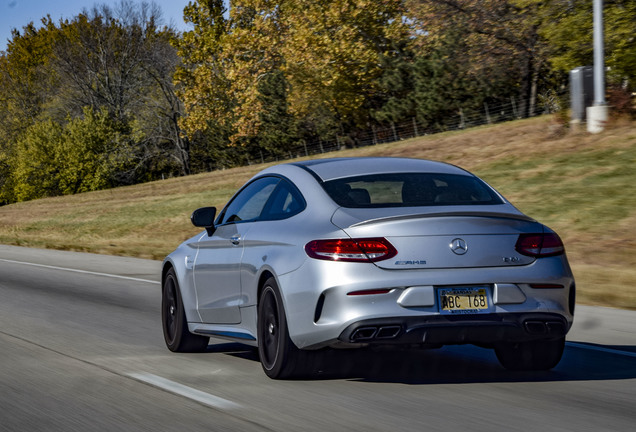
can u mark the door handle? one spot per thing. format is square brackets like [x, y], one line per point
[235, 239]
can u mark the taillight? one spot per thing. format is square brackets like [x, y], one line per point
[351, 250]
[539, 245]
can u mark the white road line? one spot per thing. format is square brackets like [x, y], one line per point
[601, 349]
[185, 391]
[81, 271]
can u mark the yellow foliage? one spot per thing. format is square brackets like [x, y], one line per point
[329, 52]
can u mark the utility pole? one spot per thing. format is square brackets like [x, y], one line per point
[597, 114]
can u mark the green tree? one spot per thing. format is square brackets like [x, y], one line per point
[502, 42]
[35, 172]
[277, 132]
[25, 83]
[84, 155]
[93, 152]
[568, 30]
[25, 78]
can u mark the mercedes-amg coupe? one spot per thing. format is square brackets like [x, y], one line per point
[359, 252]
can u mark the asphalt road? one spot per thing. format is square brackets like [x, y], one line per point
[82, 350]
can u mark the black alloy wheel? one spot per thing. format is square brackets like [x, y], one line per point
[175, 326]
[279, 356]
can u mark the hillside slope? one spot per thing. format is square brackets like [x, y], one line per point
[581, 185]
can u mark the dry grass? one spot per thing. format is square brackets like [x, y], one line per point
[579, 184]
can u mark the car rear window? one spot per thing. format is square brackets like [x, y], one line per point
[410, 190]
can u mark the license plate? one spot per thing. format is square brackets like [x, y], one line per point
[463, 300]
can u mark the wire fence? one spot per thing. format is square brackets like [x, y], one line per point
[464, 119]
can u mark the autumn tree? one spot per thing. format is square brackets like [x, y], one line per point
[326, 55]
[334, 52]
[203, 86]
[201, 80]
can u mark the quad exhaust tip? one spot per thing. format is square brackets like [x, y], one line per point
[544, 327]
[388, 332]
[376, 333]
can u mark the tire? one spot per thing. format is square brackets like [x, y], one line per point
[279, 356]
[175, 326]
[530, 356]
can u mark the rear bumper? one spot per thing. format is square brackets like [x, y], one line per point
[485, 330]
[320, 310]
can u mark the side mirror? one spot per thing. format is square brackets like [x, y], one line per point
[204, 217]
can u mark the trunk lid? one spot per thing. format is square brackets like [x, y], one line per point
[443, 237]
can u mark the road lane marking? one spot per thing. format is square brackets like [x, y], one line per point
[185, 391]
[82, 271]
[601, 349]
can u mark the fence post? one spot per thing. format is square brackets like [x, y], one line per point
[514, 107]
[415, 127]
[395, 137]
[487, 113]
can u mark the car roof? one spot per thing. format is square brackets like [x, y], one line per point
[335, 168]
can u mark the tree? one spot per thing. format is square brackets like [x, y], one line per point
[334, 53]
[277, 132]
[84, 155]
[201, 79]
[121, 59]
[501, 38]
[568, 29]
[25, 83]
[35, 173]
[25, 76]
[326, 55]
[118, 62]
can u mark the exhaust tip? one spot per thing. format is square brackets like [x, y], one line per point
[388, 332]
[536, 327]
[556, 327]
[364, 333]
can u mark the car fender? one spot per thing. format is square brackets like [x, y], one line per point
[182, 261]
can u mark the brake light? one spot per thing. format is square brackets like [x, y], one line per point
[351, 250]
[539, 245]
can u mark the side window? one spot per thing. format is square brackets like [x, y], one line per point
[285, 202]
[249, 203]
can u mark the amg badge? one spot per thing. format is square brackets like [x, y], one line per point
[411, 262]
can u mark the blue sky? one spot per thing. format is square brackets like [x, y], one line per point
[18, 13]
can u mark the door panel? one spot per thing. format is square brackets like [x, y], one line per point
[217, 275]
[217, 268]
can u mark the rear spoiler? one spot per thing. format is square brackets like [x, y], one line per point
[514, 216]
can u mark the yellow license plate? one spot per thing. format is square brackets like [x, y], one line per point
[463, 300]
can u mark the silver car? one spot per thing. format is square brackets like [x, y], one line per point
[359, 252]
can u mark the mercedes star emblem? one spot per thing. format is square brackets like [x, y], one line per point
[458, 246]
